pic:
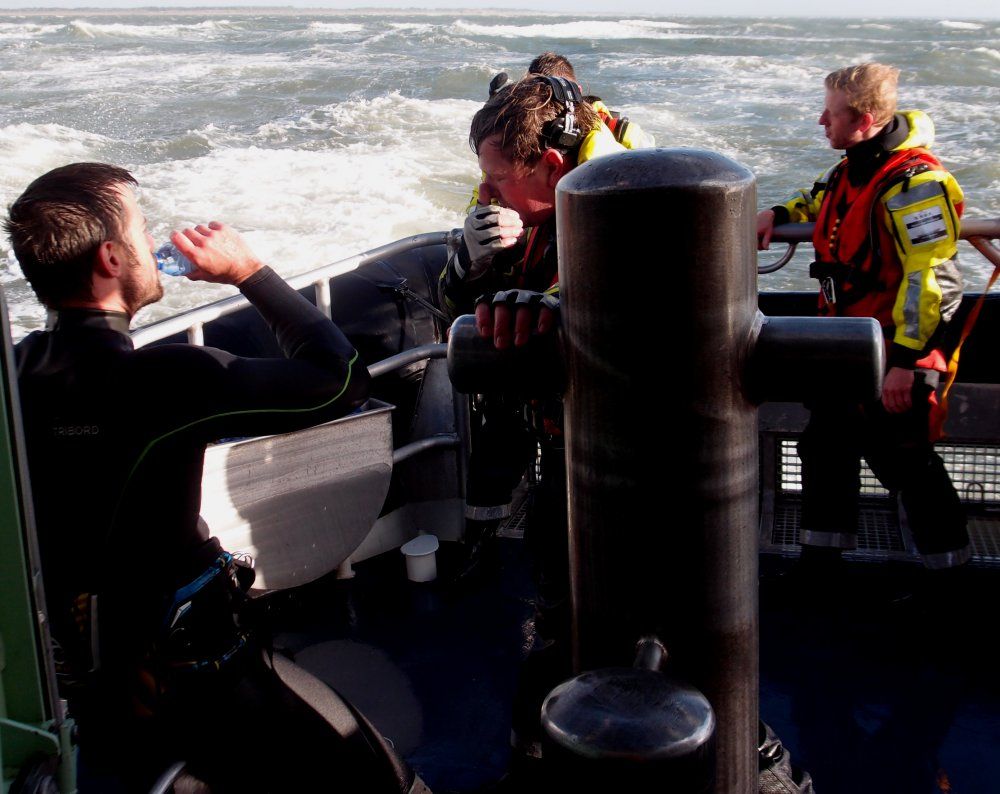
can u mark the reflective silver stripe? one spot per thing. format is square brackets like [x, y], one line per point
[455, 264]
[921, 192]
[829, 540]
[911, 305]
[487, 512]
[947, 559]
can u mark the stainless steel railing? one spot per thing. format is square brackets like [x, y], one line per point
[795, 233]
[192, 322]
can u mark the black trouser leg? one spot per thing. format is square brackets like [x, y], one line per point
[502, 446]
[901, 455]
[830, 452]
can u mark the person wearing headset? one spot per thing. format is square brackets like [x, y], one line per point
[503, 266]
[551, 64]
[527, 137]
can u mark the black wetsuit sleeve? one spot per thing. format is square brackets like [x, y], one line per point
[219, 395]
[302, 330]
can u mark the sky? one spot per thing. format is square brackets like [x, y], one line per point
[955, 9]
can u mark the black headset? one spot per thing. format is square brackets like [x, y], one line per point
[563, 132]
[499, 82]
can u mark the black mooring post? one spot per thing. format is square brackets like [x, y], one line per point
[666, 357]
[659, 299]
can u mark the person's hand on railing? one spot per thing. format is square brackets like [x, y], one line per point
[765, 227]
[218, 252]
[514, 314]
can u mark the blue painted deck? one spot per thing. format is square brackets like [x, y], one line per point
[870, 691]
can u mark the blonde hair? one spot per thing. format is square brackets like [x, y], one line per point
[869, 88]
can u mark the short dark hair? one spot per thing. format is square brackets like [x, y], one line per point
[518, 114]
[553, 65]
[56, 226]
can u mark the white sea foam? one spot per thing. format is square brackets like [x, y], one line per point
[16, 30]
[325, 139]
[947, 23]
[584, 29]
[335, 27]
[300, 209]
[770, 26]
[417, 27]
[396, 115]
[404, 30]
[144, 73]
[208, 28]
[656, 24]
[27, 150]
[760, 72]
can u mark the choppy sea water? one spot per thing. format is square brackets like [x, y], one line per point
[321, 134]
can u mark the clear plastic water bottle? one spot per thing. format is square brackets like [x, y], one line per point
[171, 261]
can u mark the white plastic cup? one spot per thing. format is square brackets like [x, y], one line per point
[421, 558]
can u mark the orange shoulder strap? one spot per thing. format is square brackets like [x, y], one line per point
[992, 253]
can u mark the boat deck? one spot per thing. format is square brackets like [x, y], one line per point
[869, 687]
[880, 687]
[883, 535]
[434, 666]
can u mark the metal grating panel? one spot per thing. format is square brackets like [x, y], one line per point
[984, 533]
[879, 536]
[789, 467]
[878, 529]
[785, 531]
[973, 469]
[513, 526]
[790, 473]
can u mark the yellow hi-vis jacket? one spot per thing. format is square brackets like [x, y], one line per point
[886, 248]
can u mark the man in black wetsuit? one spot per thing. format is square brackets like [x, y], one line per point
[115, 440]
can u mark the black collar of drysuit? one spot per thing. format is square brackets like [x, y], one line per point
[865, 158]
[94, 319]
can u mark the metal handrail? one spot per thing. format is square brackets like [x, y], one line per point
[437, 441]
[407, 357]
[193, 320]
[795, 233]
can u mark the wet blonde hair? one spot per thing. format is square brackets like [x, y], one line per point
[869, 88]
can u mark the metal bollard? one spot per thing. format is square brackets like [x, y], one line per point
[475, 366]
[629, 729]
[658, 282]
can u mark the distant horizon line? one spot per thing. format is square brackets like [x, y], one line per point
[478, 11]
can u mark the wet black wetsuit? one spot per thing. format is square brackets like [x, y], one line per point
[115, 440]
